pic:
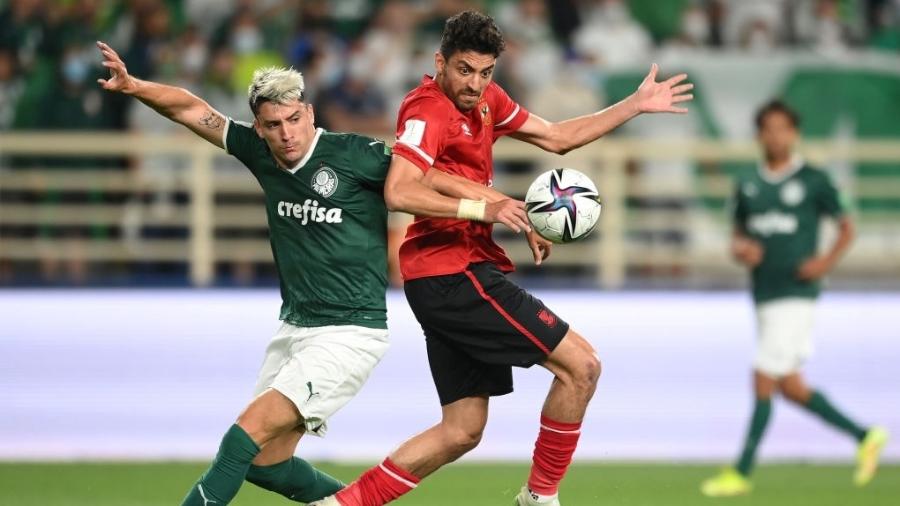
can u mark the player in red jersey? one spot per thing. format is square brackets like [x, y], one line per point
[477, 323]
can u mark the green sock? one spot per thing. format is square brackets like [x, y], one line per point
[758, 423]
[221, 482]
[295, 479]
[819, 405]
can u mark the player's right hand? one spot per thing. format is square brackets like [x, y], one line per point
[119, 79]
[747, 251]
[509, 212]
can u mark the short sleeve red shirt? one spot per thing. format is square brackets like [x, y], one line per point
[432, 132]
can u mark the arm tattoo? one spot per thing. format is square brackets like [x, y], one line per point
[212, 120]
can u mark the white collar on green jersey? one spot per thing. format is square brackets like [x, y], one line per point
[768, 176]
[309, 152]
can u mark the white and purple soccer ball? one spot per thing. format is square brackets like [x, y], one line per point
[563, 205]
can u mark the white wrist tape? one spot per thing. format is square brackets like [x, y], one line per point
[471, 209]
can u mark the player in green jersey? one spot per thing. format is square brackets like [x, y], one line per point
[327, 221]
[776, 222]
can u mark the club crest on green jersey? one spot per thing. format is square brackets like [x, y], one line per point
[750, 190]
[324, 181]
[792, 193]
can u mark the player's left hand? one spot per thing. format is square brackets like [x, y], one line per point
[652, 96]
[540, 247]
[814, 268]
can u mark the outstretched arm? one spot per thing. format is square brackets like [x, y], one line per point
[405, 190]
[460, 187]
[455, 186]
[177, 104]
[564, 136]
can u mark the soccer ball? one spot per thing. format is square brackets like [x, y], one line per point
[562, 205]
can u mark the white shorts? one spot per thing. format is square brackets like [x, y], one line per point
[784, 332]
[320, 368]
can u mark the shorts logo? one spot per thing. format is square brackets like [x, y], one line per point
[324, 181]
[547, 318]
[312, 394]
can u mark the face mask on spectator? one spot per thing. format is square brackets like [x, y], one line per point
[193, 59]
[760, 40]
[75, 70]
[695, 26]
[615, 13]
[246, 40]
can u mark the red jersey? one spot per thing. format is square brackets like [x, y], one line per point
[432, 132]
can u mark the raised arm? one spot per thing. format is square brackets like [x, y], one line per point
[177, 104]
[564, 136]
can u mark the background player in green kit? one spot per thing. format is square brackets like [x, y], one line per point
[327, 221]
[776, 222]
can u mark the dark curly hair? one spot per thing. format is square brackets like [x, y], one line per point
[471, 31]
[776, 106]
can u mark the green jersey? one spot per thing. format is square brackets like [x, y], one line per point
[327, 225]
[782, 212]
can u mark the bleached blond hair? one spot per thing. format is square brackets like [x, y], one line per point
[275, 84]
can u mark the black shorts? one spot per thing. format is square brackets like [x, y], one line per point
[478, 324]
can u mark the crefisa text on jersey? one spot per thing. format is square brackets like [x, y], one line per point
[309, 211]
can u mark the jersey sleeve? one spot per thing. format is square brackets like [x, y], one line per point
[508, 115]
[739, 207]
[241, 141]
[828, 199]
[372, 158]
[421, 126]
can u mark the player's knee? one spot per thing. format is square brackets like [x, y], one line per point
[797, 396]
[463, 439]
[587, 374]
[260, 429]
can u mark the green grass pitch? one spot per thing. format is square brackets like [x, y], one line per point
[469, 484]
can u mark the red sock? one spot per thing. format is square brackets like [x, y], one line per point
[552, 454]
[379, 485]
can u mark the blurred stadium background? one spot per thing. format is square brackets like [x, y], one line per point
[138, 290]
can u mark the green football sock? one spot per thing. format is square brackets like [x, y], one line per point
[295, 479]
[819, 405]
[221, 482]
[761, 412]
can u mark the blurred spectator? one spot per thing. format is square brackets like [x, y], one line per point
[22, 29]
[755, 26]
[885, 25]
[218, 87]
[314, 49]
[695, 29]
[12, 85]
[819, 26]
[384, 52]
[574, 91]
[351, 16]
[533, 56]
[564, 18]
[432, 24]
[246, 36]
[662, 20]
[74, 103]
[610, 37]
[355, 103]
